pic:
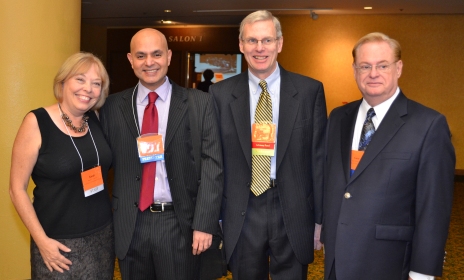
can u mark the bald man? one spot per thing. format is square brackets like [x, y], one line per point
[164, 215]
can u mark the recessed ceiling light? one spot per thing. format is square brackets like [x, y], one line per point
[167, 11]
[367, 8]
[166, 21]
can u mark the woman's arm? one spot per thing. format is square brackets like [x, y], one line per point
[25, 152]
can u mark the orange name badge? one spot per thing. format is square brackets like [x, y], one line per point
[263, 139]
[150, 147]
[92, 181]
[356, 158]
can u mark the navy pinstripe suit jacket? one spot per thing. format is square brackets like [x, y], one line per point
[196, 202]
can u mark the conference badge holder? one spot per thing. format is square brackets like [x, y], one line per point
[92, 181]
[150, 147]
[263, 136]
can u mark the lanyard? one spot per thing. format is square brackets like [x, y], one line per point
[135, 115]
[77, 150]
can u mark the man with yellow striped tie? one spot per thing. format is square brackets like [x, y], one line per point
[272, 125]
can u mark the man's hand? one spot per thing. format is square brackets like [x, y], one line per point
[201, 242]
[317, 237]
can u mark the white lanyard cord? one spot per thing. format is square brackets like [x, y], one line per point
[139, 130]
[133, 110]
[77, 150]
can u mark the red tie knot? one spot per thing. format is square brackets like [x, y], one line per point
[152, 96]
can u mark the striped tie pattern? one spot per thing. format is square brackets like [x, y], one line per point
[261, 165]
[368, 130]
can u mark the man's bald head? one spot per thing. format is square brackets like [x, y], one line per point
[150, 57]
[147, 33]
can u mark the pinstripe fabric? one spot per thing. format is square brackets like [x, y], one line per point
[153, 254]
[196, 203]
[299, 157]
[261, 165]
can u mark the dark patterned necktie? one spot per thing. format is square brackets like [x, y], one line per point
[261, 165]
[368, 130]
[149, 125]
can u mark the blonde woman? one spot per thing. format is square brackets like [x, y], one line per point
[63, 149]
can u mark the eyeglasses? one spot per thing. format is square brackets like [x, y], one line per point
[367, 68]
[265, 41]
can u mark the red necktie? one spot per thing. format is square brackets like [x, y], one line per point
[149, 125]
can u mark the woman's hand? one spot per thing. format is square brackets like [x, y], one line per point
[51, 255]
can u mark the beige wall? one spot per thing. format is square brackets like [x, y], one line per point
[433, 57]
[36, 37]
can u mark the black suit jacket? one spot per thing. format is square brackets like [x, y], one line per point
[196, 202]
[397, 217]
[299, 173]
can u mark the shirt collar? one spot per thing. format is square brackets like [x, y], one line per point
[381, 109]
[162, 91]
[271, 80]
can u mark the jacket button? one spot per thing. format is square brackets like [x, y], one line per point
[136, 204]
[243, 213]
[137, 178]
[347, 195]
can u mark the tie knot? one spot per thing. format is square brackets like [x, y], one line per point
[370, 113]
[152, 96]
[263, 85]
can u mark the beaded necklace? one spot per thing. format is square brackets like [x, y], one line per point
[68, 122]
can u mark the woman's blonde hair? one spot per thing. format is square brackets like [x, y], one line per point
[76, 64]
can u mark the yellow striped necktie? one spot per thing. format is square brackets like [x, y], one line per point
[261, 165]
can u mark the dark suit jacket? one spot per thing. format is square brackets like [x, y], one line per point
[196, 203]
[397, 217]
[299, 173]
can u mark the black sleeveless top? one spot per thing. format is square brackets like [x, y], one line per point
[59, 201]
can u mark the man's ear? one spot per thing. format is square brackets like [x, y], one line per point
[129, 56]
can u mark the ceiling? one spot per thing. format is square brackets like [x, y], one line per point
[137, 13]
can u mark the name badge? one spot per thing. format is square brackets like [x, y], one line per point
[263, 136]
[150, 147]
[355, 159]
[92, 181]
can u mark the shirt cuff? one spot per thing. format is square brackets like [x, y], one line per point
[418, 276]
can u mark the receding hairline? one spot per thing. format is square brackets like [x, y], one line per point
[148, 32]
[377, 37]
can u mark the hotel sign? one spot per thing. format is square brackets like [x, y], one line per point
[184, 39]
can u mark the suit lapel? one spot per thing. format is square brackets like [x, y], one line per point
[346, 135]
[177, 110]
[129, 110]
[287, 114]
[390, 124]
[240, 108]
